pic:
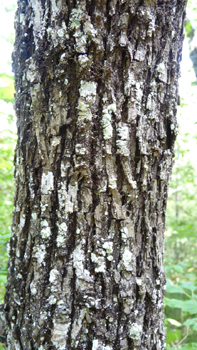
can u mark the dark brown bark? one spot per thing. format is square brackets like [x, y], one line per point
[96, 97]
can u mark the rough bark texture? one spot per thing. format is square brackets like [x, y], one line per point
[96, 97]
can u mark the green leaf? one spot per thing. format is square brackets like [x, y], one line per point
[6, 87]
[188, 285]
[170, 288]
[178, 268]
[173, 336]
[189, 306]
[191, 322]
[190, 346]
[3, 272]
[174, 322]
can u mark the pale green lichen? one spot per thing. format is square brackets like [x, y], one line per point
[122, 146]
[108, 246]
[135, 331]
[94, 258]
[88, 90]
[77, 15]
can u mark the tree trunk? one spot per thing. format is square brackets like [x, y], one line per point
[96, 97]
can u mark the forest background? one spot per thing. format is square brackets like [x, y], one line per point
[181, 222]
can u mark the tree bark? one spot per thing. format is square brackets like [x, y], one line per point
[96, 99]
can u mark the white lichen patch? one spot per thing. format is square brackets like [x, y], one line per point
[97, 345]
[22, 221]
[87, 98]
[127, 259]
[127, 230]
[33, 288]
[139, 92]
[52, 300]
[162, 70]
[138, 281]
[108, 246]
[83, 60]
[135, 331]
[88, 90]
[38, 17]
[107, 120]
[41, 347]
[55, 141]
[99, 261]
[64, 168]
[81, 41]
[78, 324]
[82, 274]
[61, 32]
[45, 229]
[68, 199]
[123, 131]
[62, 234]
[47, 182]
[149, 102]
[89, 29]
[54, 276]
[76, 16]
[123, 139]
[39, 253]
[34, 216]
[32, 74]
[94, 258]
[79, 149]
[78, 259]
[59, 335]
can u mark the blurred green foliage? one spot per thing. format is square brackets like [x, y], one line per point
[7, 144]
[181, 249]
[6, 87]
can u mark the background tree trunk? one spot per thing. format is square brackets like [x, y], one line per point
[96, 97]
